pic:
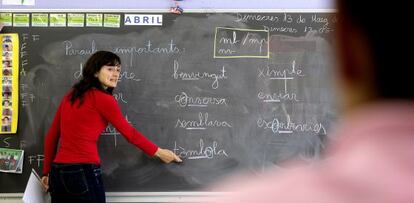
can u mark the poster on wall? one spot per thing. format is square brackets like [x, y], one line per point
[11, 160]
[9, 75]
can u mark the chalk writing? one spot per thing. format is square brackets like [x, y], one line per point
[70, 51]
[36, 159]
[5, 141]
[256, 17]
[184, 100]
[110, 130]
[128, 76]
[24, 54]
[123, 75]
[280, 73]
[204, 152]
[280, 29]
[322, 30]
[319, 19]
[277, 97]
[201, 124]
[301, 19]
[148, 48]
[26, 98]
[199, 75]
[239, 43]
[171, 48]
[289, 127]
[23, 51]
[120, 97]
[287, 18]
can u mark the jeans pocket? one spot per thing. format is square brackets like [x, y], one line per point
[98, 176]
[74, 181]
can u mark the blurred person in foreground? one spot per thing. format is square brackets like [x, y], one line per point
[372, 159]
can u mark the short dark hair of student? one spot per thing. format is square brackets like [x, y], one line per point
[89, 80]
[385, 25]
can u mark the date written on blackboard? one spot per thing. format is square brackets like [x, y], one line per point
[241, 43]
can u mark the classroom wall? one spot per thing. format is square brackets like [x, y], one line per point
[186, 4]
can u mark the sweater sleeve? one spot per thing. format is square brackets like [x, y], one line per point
[109, 109]
[52, 140]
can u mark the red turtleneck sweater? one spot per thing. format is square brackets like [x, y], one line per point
[77, 129]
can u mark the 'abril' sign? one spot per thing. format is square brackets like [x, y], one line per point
[142, 19]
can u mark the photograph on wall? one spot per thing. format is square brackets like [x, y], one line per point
[11, 160]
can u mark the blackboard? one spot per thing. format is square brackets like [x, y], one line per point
[225, 91]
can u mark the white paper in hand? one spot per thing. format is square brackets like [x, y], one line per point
[34, 191]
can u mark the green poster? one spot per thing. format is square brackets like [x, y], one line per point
[112, 20]
[93, 20]
[58, 20]
[21, 19]
[76, 20]
[6, 19]
[40, 19]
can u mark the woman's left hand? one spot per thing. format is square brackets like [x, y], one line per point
[45, 183]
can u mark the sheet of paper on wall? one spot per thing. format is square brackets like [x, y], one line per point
[19, 2]
[34, 191]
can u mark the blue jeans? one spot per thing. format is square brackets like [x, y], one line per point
[76, 183]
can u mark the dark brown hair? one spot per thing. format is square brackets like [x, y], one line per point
[384, 25]
[92, 66]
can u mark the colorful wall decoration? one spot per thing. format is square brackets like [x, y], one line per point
[9, 75]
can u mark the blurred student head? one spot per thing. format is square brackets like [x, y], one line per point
[372, 63]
